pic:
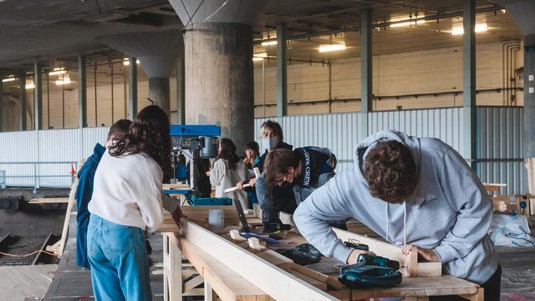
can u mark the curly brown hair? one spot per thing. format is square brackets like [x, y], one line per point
[148, 133]
[390, 171]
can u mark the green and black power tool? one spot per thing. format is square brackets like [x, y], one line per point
[370, 270]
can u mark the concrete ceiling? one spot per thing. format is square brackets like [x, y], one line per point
[54, 32]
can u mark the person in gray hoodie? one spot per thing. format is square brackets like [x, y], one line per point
[417, 193]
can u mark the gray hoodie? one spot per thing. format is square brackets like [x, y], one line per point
[449, 211]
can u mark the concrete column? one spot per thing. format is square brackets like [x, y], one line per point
[22, 101]
[158, 53]
[470, 141]
[159, 91]
[282, 72]
[38, 96]
[366, 69]
[219, 68]
[522, 12]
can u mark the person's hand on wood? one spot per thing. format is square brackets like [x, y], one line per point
[427, 254]
[177, 215]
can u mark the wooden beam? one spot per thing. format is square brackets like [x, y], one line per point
[225, 282]
[409, 263]
[48, 200]
[70, 206]
[172, 265]
[274, 281]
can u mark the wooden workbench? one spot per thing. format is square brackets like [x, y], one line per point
[234, 271]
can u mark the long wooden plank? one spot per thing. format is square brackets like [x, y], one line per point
[274, 281]
[70, 206]
[48, 200]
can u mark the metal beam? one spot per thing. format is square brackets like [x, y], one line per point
[366, 69]
[468, 148]
[132, 89]
[181, 91]
[1, 102]
[82, 92]
[22, 100]
[282, 78]
[38, 95]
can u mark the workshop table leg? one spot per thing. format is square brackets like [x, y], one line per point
[172, 267]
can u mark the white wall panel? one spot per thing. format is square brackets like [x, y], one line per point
[54, 149]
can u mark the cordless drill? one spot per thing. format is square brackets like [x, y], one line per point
[369, 259]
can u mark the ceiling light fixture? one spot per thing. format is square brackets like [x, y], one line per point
[57, 71]
[126, 62]
[256, 59]
[459, 30]
[30, 85]
[269, 43]
[9, 79]
[332, 47]
[408, 23]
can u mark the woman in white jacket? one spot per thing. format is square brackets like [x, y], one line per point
[228, 171]
[127, 199]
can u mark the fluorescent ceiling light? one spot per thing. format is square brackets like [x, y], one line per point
[269, 43]
[57, 71]
[255, 59]
[332, 47]
[408, 23]
[30, 85]
[459, 30]
[9, 79]
[482, 27]
[126, 62]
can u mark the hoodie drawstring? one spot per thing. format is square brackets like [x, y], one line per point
[387, 222]
[404, 223]
[387, 217]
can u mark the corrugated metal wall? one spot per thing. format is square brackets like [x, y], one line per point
[339, 132]
[444, 124]
[54, 149]
[500, 151]
[500, 135]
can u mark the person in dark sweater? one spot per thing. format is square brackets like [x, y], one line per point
[303, 170]
[271, 137]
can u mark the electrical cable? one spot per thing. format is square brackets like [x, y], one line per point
[29, 254]
[215, 12]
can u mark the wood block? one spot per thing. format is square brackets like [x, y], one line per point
[254, 243]
[429, 269]
[235, 235]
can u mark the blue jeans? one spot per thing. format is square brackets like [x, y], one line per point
[119, 261]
